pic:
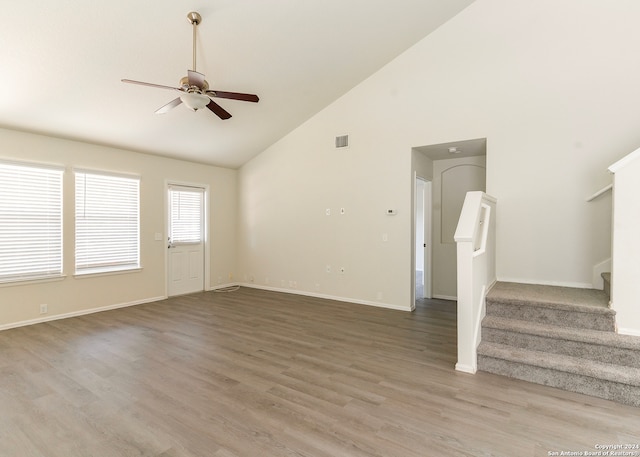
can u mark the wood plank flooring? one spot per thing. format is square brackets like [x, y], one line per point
[255, 373]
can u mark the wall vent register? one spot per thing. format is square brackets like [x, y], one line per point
[342, 141]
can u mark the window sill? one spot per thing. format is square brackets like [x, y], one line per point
[93, 274]
[30, 281]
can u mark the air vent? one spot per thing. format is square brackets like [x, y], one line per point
[342, 141]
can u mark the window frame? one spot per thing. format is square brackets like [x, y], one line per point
[86, 264]
[52, 222]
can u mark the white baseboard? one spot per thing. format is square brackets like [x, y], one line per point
[223, 286]
[328, 297]
[83, 312]
[577, 285]
[629, 331]
[466, 368]
[444, 297]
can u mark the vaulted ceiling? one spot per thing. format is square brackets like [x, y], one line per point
[61, 65]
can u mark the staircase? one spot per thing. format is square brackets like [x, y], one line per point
[560, 337]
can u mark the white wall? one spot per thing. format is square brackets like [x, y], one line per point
[553, 86]
[19, 303]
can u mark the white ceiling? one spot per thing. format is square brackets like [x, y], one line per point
[455, 150]
[61, 63]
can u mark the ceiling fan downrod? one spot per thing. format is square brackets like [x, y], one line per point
[194, 19]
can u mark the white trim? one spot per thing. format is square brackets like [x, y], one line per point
[31, 281]
[624, 161]
[445, 297]
[477, 331]
[222, 286]
[103, 172]
[578, 285]
[27, 163]
[79, 313]
[92, 274]
[600, 192]
[629, 331]
[465, 368]
[328, 297]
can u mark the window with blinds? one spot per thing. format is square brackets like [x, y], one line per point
[30, 222]
[185, 215]
[107, 222]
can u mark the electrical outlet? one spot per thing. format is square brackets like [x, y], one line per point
[44, 309]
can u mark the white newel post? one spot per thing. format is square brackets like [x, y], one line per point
[475, 239]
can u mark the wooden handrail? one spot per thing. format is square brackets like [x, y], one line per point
[600, 192]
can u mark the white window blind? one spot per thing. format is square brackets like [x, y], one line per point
[185, 219]
[107, 222]
[30, 222]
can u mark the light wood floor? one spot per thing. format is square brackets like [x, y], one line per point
[255, 373]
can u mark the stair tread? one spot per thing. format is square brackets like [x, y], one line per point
[600, 370]
[604, 338]
[563, 298]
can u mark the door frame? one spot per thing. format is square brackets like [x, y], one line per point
[206, 272]
[427, 222]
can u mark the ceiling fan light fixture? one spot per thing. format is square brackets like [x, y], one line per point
[194, 101]
[193, 87]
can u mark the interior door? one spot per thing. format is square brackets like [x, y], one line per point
[186, 240]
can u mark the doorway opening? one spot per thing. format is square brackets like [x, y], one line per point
[422, 238]
[451, 170]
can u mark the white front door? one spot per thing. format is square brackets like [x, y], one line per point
[186, 240]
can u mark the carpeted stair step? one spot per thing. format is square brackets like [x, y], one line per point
[551, 305]
[606, 347]
[604, 380]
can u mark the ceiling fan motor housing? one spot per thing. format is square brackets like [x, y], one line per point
[184, 82]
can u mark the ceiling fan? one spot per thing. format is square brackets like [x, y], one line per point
[194, 89]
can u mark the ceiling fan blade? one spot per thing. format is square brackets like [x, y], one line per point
[218, 110]
[159, 86]
[233, 95]
[195, 79]
[169, 106]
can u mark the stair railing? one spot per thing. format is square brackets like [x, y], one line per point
[600, 192]
[625, 251]
[476, 245]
